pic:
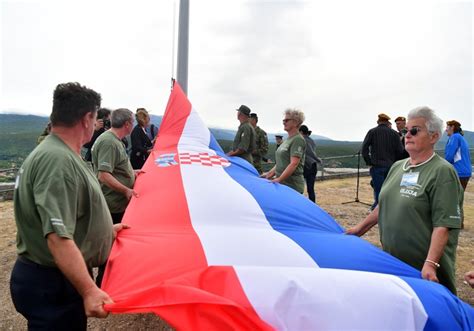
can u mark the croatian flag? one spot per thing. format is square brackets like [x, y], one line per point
[214, 247]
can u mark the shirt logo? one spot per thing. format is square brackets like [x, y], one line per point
[404, 191]
[409, 179]
[409, 184]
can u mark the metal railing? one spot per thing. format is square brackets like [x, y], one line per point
[324, 171]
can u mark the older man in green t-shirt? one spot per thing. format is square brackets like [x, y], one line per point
[244, 141]
[64, 226]
[112, 165]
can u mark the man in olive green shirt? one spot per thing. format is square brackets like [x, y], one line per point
[261, 143]
[244, 141]
[64, 227]
[112, 165]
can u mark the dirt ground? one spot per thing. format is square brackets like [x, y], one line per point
[331, 194]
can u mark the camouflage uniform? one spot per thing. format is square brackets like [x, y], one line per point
[245, 140]
[261, 148]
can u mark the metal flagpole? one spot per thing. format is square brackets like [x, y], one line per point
[183, 43]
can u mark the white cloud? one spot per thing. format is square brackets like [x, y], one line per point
[342, 62]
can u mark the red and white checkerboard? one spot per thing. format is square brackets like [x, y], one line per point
[203, 159]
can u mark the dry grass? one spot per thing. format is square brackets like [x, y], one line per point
[330, 196]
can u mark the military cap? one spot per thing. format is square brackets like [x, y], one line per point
[254, 115]
[400, 118]
[278, 136]
[384, 117]
[244, 110]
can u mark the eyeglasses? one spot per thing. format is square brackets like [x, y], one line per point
[287, 119]
[414, 130]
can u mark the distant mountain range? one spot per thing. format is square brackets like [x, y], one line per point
[16, 123]
[13, 123]
[19, 133]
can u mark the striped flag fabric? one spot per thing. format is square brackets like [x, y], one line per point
[214, 247]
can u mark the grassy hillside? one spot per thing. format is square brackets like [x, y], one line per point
[324, 149]
[18, 134]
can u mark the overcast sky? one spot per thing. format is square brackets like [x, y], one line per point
[341, 62]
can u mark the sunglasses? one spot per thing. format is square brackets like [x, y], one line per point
[287, 119]
[414, 130]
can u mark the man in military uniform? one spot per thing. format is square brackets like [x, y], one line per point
[261, 142]
[244, 141]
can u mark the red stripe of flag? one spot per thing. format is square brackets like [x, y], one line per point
[158, 265]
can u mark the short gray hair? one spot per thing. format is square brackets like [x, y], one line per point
[434, 124]
[120, 116]
[295, 114]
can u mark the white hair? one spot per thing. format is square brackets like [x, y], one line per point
[434, 124]
[295, 114]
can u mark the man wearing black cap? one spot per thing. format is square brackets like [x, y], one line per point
[380, 149]
[244, 141]
[261, 141]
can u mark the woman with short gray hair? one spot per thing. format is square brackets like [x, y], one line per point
[433, 122]
[420, 204]
[289, 157]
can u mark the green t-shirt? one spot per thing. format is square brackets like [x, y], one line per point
[245, 140]
[108, 155]
[414, 201]
[56, 191]
[294, 146]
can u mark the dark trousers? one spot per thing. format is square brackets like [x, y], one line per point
[116, 218]
[464, 181]
[310, 177]
[378, 175]
[46, 298]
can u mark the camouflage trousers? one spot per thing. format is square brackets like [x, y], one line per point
[257, 163]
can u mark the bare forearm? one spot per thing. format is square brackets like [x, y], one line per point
[361, 228]
[69, 260]
[236, 152]
[289, 170]
[439, 239]
[269, 174]
[112, 182]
